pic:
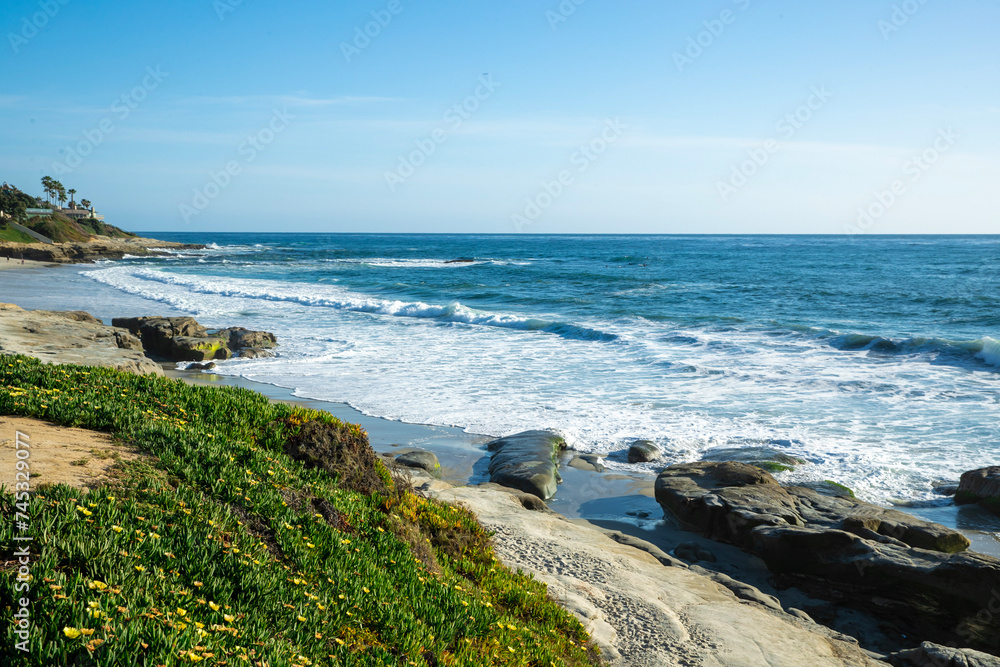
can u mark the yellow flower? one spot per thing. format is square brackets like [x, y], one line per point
[181, 612]
[366, 590]
[310, 545]
[229, 618]
[94, 604]
[339, 641]
[86, 631]
[72, 633]
[213, 606]
[117, 529]
[198, 583]
[302, 619]
[99, 585]
[140, 568]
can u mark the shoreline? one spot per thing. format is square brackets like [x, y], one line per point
[605, 500]
[568, 545]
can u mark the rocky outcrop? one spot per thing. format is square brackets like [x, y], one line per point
[100, 248]
[980, 486]
[71, 338]
[527, 461]
[935, 655]
[900, 568]
[183, 339]
[645, 608]
[643, 451]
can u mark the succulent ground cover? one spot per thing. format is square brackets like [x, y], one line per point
[251, 533]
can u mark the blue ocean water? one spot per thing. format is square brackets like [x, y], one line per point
[876, 359]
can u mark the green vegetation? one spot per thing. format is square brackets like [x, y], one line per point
[62, 229]
[841, 488]
[8, 233]
[253, 534]
[771, 466]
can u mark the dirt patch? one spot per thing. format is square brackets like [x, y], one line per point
[58, 455]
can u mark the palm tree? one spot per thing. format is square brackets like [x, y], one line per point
[85, 203]
[47, 186]
[61, 194]
[71, 193]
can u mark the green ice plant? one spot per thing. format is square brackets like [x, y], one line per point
[217, 547]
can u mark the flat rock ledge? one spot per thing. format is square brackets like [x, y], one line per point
[980, 486]
[527, 461]
[908, 572]
[644, 608]
[74, 337]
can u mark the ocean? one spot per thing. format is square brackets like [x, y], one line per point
[874, 359]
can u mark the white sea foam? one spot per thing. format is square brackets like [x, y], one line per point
[883, 425]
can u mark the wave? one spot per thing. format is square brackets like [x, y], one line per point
[981, 350]
[131, 280]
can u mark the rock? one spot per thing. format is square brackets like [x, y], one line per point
[693, 552]
[255, 353]
[56, 338]
[527, 461]
[766, 458]
[643, 451]
[190, 348]
[239, 338]
[892, 565]
[590, 462]
[83, 252]
[77, 316]
[200, 367]
[157, 333]
[946, 489]
[935, 655]
[828, 488]
[649, 614]
[419, 458]
[461, 260]
[980, 486]
[127, 341]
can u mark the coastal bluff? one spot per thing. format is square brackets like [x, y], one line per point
[83, 252]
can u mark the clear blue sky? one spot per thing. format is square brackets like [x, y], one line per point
[669, 124]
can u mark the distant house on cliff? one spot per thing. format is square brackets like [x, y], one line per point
[37, 212]
[81, 213]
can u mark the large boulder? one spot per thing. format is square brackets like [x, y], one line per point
[419, 458]
[643, 451]
[527, 461]
[980, 486]
[900, 568]
[157, 333]
[190, 348]
[240, 338]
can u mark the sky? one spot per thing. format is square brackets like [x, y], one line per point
[530, 116]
